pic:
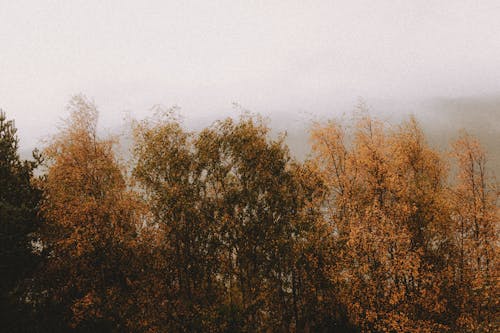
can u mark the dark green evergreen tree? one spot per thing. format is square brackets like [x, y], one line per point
[18, 222]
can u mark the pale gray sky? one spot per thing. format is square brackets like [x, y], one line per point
[272, 57]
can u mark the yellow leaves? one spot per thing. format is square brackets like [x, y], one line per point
[231, 234]
[371, 316]
[474, 203]
[91, 219]
[465, 321]
[386, 190]
[85, 307]
[396, 296]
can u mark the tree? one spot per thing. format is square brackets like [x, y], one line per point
[184, 277]
[235, 217]
[91, 227]
[476, 215]
[221, 230]
[19, 199]
[385, 209]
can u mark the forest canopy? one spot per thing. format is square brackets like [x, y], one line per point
[223, 230]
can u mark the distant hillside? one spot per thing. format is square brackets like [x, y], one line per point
[441, 120]
[479, 116]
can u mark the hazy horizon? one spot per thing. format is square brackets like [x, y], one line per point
[291, 63]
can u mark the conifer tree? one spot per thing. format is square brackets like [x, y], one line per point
[18, 221]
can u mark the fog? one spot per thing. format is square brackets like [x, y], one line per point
[441, 119]
[292, 61]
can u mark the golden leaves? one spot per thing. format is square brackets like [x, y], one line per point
[227, 232]
[391, 210]
[91, 219]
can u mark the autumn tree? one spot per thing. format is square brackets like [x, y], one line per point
[235, 216]
[186, 286]
[268, 208]
[221, 230]
[90, 229]
[19, 199]
[476, 216]
[386, 210]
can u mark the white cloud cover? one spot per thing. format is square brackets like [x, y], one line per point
[272, 57]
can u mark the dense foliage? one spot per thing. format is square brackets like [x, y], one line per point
[19, 199]
[221, 230]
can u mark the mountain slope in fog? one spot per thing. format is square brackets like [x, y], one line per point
[441, 119]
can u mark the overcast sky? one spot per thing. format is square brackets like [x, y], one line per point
[272, 57]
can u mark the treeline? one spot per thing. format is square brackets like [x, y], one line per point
[221, 230]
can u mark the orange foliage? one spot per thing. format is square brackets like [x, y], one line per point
[225, 232]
